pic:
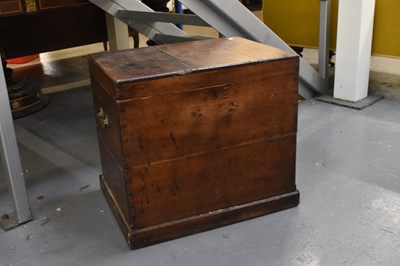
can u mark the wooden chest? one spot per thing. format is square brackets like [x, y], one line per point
[195, 135]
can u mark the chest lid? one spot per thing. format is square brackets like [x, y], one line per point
[129, 66]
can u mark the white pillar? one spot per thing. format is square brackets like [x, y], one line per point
[324, 40]
[353, 49]
[118, 35]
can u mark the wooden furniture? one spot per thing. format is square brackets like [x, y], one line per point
[196, 135]
[34, 26]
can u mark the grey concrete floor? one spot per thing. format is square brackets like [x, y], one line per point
[348, 174]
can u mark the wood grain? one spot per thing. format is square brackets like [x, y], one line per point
[201, 183]
[202, 134]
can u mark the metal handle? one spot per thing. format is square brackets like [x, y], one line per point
[103, 117]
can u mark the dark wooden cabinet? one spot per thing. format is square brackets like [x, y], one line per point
[35, 26]
[47, 4]
[13, 7]
[196, 135]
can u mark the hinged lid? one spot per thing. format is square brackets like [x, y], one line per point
[128, 66]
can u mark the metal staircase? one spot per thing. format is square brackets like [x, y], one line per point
[229, 17]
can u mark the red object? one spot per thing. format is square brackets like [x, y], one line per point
[23, 59]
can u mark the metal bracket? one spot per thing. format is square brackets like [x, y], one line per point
[148, 29]
[140, 17]
[164, 39]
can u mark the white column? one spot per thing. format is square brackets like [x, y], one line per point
[353, 49]
[10, 157]
[118, 35]
[324, 41]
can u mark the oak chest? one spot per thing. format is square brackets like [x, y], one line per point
[195, 135]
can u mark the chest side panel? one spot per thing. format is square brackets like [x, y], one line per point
[208, 111]
[110, 145]
[106, 108]
[195, 185]
[115, 178]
